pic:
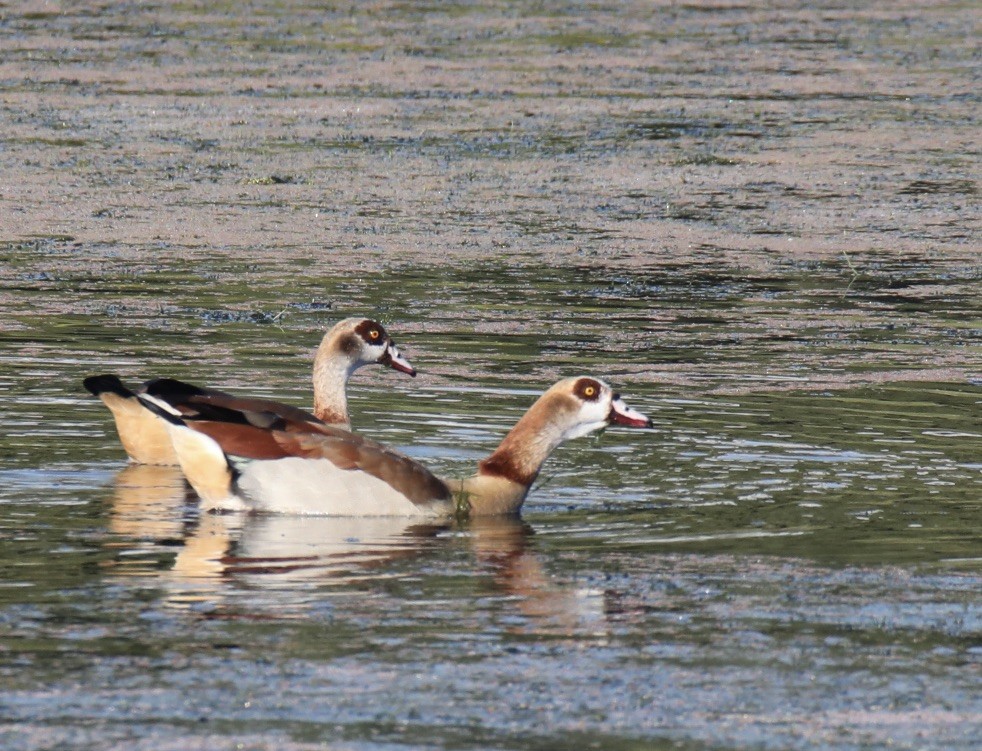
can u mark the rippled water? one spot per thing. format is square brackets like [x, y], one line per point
[760, 225]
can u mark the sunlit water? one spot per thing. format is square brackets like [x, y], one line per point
[784, 277]
[765, 570]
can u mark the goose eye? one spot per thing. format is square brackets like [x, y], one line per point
[374, 335]
[587, 389]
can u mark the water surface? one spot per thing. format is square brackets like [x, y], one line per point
[759, 224]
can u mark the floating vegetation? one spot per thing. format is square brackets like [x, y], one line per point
[239, 316]
[955, 187]
[273, 180]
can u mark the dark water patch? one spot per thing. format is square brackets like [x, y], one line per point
[673, 129]
[706, 160]
[236, 316]
[928, 187]
[273, 180]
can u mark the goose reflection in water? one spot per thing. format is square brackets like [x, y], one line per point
[233, 566]
[149, 503]
[502, 546]
[280, 551]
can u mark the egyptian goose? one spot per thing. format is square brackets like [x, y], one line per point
[346, 347]
[242, 460]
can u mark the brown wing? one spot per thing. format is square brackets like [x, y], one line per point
[237, 439]
[349, 451]
[346, 450]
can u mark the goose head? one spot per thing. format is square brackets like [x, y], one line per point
[583, 405]
[362, 341]
[349, 345]
[572, 408]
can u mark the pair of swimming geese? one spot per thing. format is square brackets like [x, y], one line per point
[242, 454]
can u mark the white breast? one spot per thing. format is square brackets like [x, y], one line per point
[318, 487]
